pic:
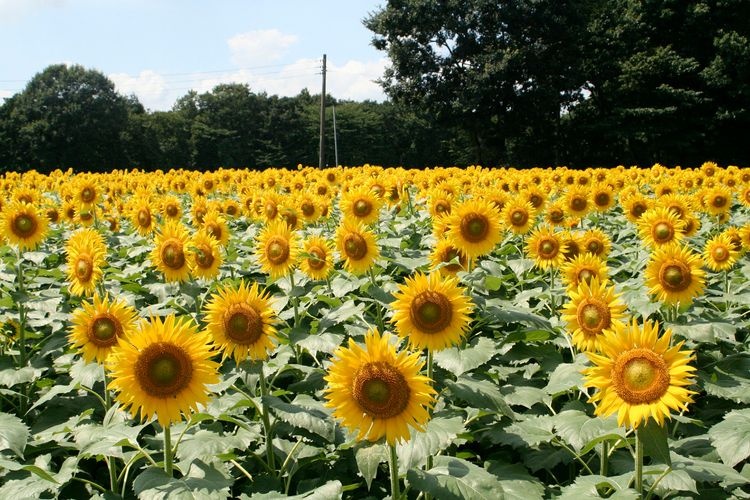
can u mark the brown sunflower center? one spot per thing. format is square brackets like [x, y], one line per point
[548, 248]
[52, 214]
[317, 258]
[380, 390]
[442, 207]
[172, 210]
[277, 250]
[243, 324]
[88, 195]
[640, 376]
[719, 201]
[585, 275]
[536, 200]
[204, 257]
[663, 232]
[24, 225]
[144, 218]
[638, 209]
[720, 254]
[355, 246]
[163, 370]
[450, 254]
[594, 246]
[431, 311]
[105, 330]
[519, 217]
[556, 215]
[602, 199]
[578, 204]
[362, 207]
[214, 230]
[593, 316]
[474, 227]
[172, 254]
[84, 267]
[675, 276]
[307, 208]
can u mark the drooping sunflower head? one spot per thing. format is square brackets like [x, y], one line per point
[593, 308]
[277, 249]
[661, 226]
[447, 259]
[240, 321]
[474, 227]
[431, 311]
[360, 204]
[317, 258]
[719, 253]
[98, 325]
[86, 255]
[142, 216]
[377, 391]
[204, 256]
[674, 275]
[170, 253]
[518, 215]
[639, 375]
[163, 369]
[357, 246]
[23, 225]
[584, 268]
[546, 248]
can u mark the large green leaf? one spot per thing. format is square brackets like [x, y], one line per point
[438, 434]
[13, 434]
[591, 486]
[731, 437]
[459, 361]
[454, 478]
[567, 376]
[532, 431]
[516, 481]
[729, 378]
[202, 482]
[704, 471]
[332, 490]
[481, 394]
[654, 439]
[578, 429]
[108, 438]
[369, 456]
[42, 479]
[304, 413]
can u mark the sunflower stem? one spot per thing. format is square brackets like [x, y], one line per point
[379, 314]
[168, 457]
[639, 463]
[393, 466]
[429, 462]
[266, 421]
[21, 309]
[553, 306]
[604, 460]
[295, 299]
[111, 465]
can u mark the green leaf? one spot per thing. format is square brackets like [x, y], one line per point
[13, 434]
[578, 429]
[590, 486]
[369, 457]
[95, 440]
[202, 482]
[454, 478]
[326, 342]
[524, 395]
[704, 471]
[459, 361]
[481, 394]
[438, 434]
[86, 374]
[347, 310]
[41, 480]
[11, 376]
[674, 480]
[206, 445]
[704, 331]
[729, 378]
[516, 481]
[731, 437]
[654, 439]
[332, 490]
[532, 431]
[304, 413]
[567, 376]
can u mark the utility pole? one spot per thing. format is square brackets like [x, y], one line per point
[321, 157]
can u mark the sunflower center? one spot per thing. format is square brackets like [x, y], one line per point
[52, 214]
[556, 215]
[442, 207]
[172, 254]
[163, 370]
[450, 254]
[317, 259]
[84, 267]
[87, 195]
[277, 250]
[474, 227]
[548, 248]
[144, 218]
[595, 247]
[172, 210]
[307, 209]
[380, 390]
[519, 217]
[86, 215]
[24, 225]
[214, 230]
[663, 232]
[104, 331]
[720, 254]
[585, 275]
[593, 317]
[638, 209]
[676, 276]
[362, 208]
[204, 257]
[578, 204]
[536, 200]
[719, 201]
[355, 246]
[602, 199]
[431, 311]
[640, 376]
[243, 324]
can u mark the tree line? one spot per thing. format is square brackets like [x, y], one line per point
[491, 82]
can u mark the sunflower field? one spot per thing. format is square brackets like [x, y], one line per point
[369, 332]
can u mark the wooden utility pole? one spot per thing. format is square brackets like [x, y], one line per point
[321, 157]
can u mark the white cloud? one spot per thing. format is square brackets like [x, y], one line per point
[259, 47]
[13, 10]
[353, 80]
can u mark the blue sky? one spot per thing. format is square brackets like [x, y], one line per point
[160, 49]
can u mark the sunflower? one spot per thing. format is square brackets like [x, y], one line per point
[577, 200]
[635, 206]
[546, 248]
[593, 308]
[170, 253]
[163, 369]
[442, 258]
[86, 214]
[141, 216]
[378, 391]
[660, 226]
[518, 215]
[717, 200]
[277, 248]
[98, 325]
[86, 191]
[474, 227]
[308, 207]
[744, 233]
[86, 252]
[573, 241]
[357, 246]
[317, 258]
[639, 375]
[554, 214]
[23, 225]
[583, 268]
[204, 258]
[171, 207]
[360, 204]
[720, 254]
[674, 275]
[240, 321]
[431, 311]
[216, 226]
[597, 242]
[441, 202]
[603, 197]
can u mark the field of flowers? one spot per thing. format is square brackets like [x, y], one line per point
[368, 333]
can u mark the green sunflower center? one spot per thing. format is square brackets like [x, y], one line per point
[24, 225]
[163, 370]
[362, 208]
[381, 390]
[277, 250]
[474, 227]
[675, 276]
[663, 232]
[172, 254]
[104, 331]
[355, 246]
[640, 376]
[243, 324]
[593, 316]
[431, 312]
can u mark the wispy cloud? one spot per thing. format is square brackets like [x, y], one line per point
[259, 47]
[13, 10]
